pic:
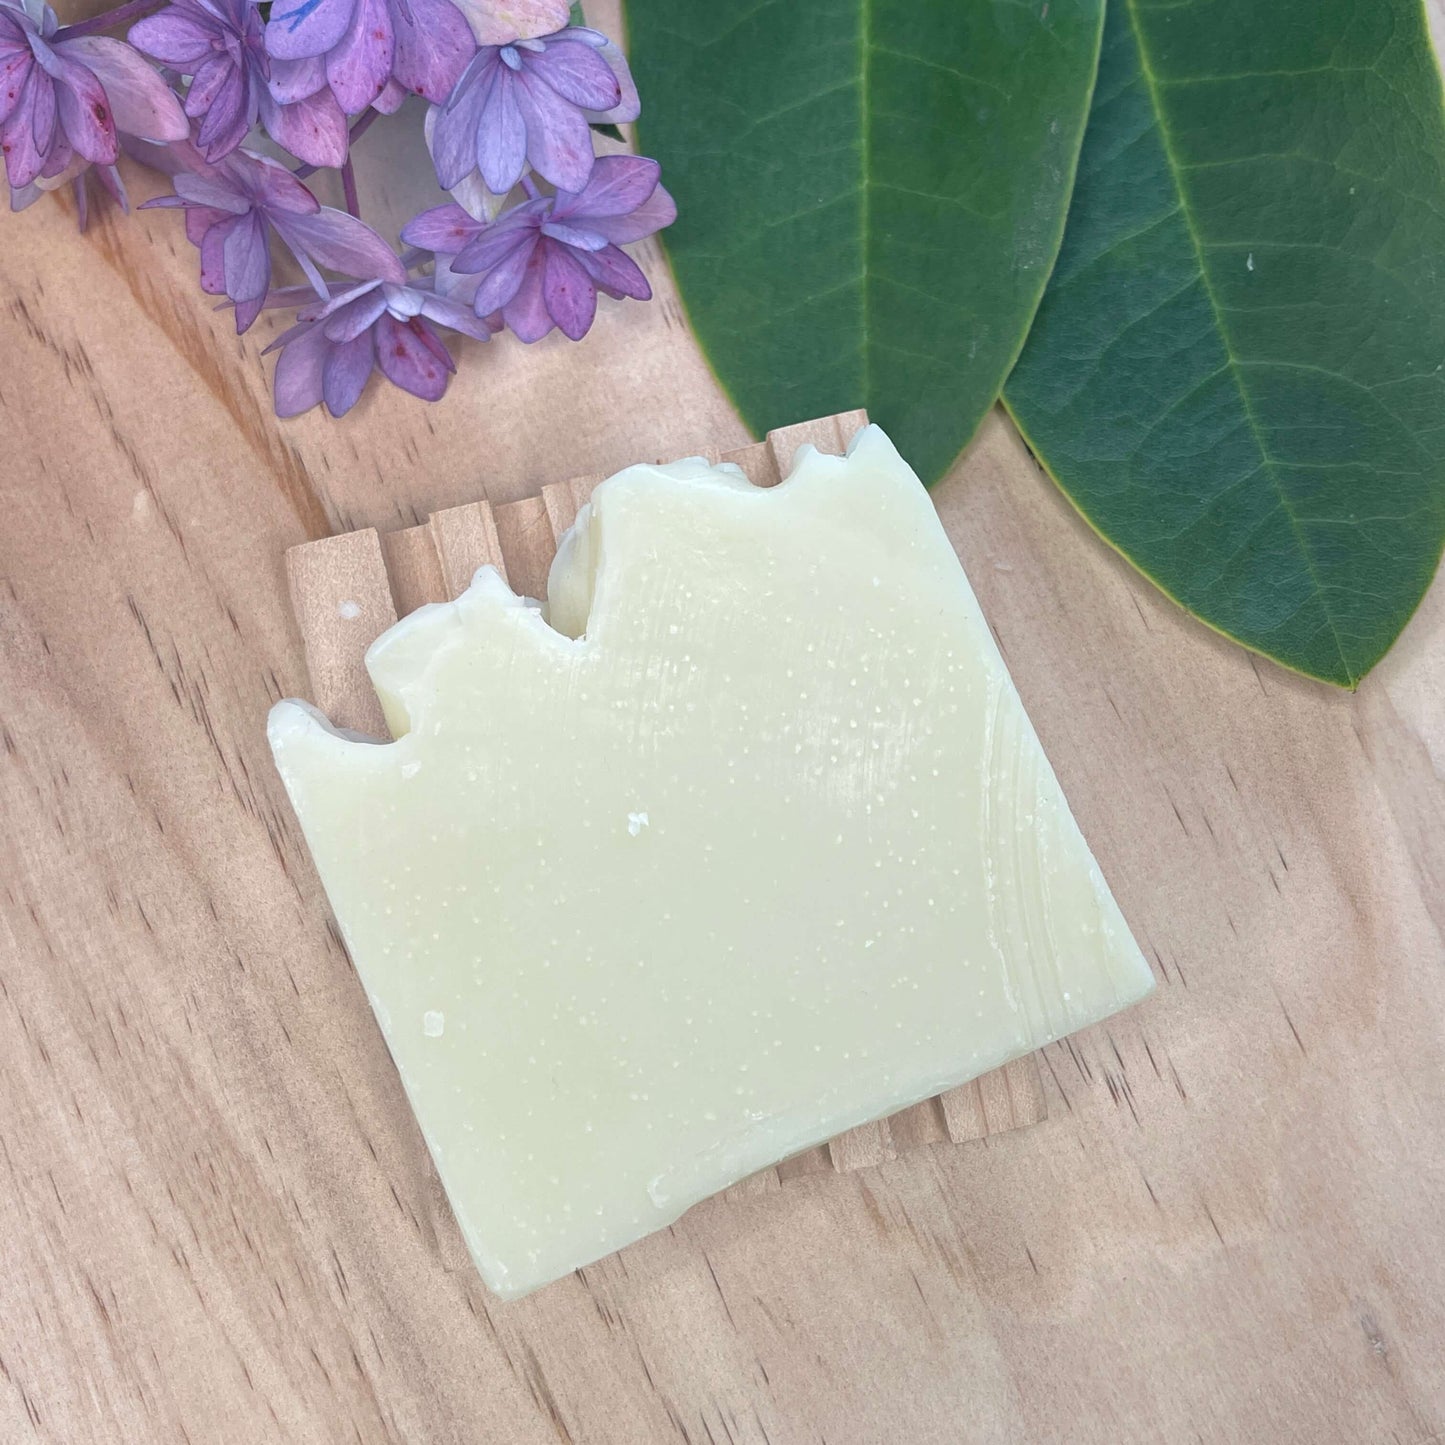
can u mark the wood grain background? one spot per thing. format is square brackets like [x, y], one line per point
[215, 1220]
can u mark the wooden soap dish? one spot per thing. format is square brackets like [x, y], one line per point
[347, 590]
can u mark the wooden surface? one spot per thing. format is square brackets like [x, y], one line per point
[348, 589]
[216, 1223]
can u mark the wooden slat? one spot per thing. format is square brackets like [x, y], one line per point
[436, 561]
[526, 539]
[827, 434]
[465, 538]
[922, 1124]
[859, 1148]
[563, 500]
[416, 574]
[343, 602]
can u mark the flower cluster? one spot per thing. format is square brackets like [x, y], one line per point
[515, 95]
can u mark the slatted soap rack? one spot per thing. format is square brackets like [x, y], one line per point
[348, 589]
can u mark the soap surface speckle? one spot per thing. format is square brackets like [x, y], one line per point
[855, 881]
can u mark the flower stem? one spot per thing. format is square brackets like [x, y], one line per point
[530, 186]
[363, 125]
[108, 19]
[348, 188]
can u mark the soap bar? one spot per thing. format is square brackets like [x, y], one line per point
[740, 840]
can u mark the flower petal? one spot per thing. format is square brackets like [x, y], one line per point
[453, 132]
[216, 192]
[61, 165]
[576, 237]
[23, 162]
[616, 186]
[500, 144]
[313, 129]
[206, 84]
[307, 27]
[247, 258]
[141, 103]
[390, 98]
[443, 228]
[298, 383]
[247, 312]
[356, 316]
[213, 257]
[114, 186]
[559, 140]
[657, 211]
[271, 184]
[491, 246]
[499, 22]
[503, 281]
[568, 291]
[345, 372]
[446, 312]
[433, 47]
[526, 313]
[293, 80]
[23, 158]
[412, 356]
[200, 220]
[41, 111]
[628, 106]
[23, 197]
[14, 69]
[616, 273]
[175, 36]
[85, 113]
[449, 283]
[334, 239]
[229, 119]
[576, 72]
[172, 159]
[330, 302]
[360, 64]
[403, 302]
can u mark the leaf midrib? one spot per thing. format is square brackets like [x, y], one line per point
[1146, 70]
[865, 130]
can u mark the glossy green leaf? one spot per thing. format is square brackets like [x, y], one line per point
[1236, 372]
[870, 194]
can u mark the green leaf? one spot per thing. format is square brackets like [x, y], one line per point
[870, 194]
[1236, 370]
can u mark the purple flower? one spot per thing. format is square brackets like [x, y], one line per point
[542, 263]
[370, 52]
[530, 103]
[231, 210]
[220, 45]
[61, 99]
[331, 351]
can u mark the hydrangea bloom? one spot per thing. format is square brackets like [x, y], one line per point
[369, 52]
[332, 350]
[63, 98]
[220, 44]
[231, 211]
[542, 263]
[71, 99]
[531, 102]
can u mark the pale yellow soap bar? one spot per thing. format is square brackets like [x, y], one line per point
[770, 849]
